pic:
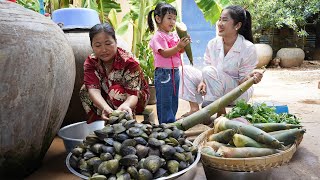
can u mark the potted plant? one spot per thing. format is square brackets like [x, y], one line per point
[146, 59]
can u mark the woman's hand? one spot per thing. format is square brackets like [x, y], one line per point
[257, 76]
[100, 103]
[125, 107]
[131, 101]
[202, 88]
[105, 112]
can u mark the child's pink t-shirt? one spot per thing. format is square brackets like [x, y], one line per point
[162, 40]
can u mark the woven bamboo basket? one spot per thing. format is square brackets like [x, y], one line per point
[254, 164]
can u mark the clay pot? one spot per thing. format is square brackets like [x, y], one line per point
[80, 43]
[264, 52]
[290, 57]
[37, 77]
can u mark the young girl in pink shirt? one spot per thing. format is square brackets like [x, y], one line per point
[167, 48]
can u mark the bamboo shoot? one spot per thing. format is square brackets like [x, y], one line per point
[270, 127]
[257, 134]
[245, 152]
[182, 32]
[206, 112]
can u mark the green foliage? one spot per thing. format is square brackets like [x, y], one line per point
[211, 9]
[104, 7]
[58, 4]
[277, 14]
[137, 17]
[30, 4]
[112, 16]
[260, 113]
[146, 60]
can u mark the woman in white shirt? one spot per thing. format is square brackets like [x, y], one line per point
[230, 60]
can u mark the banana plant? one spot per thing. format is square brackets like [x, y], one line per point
[211, 9]
[104, 7]
[140, 8]
[30, 4]
[137, 17]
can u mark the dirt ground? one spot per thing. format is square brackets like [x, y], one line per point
[298, 88]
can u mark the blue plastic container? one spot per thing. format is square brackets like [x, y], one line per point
[279, 108]
[282, 109]
[75, 18]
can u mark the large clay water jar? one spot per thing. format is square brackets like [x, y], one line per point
[36, 83]
[76, 24]
[80, 43]
[264, 52]
[290, 57]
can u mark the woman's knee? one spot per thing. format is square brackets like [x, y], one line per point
[209, 72]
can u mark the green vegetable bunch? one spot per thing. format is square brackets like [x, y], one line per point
[260, 113]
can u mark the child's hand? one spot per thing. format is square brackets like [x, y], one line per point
[183, 42]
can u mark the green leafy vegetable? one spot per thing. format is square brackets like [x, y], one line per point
[260, 113]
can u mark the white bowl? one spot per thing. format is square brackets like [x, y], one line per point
[74, 134]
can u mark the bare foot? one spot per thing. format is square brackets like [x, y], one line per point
[186, 114]
[221, 112]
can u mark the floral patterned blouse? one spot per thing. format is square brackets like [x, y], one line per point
[125, 72]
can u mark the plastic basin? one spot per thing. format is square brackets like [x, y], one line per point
[74, 134]
[75, 18]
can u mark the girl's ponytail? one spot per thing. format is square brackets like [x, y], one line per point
[150, 22]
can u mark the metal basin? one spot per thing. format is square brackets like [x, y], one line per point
[74, 134]
[172, 176]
